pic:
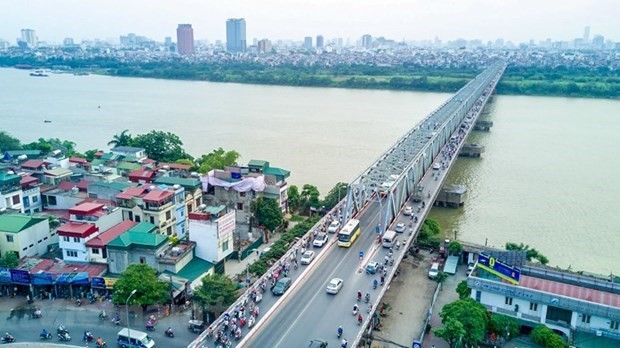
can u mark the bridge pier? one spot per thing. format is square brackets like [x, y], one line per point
[471, 150]
[451, 196]
[483, 125]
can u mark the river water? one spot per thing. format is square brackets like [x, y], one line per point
[547, 178]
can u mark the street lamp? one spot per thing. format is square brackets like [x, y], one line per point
[127, 309]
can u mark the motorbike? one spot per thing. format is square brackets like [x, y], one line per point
[47, 336]
[102, 345]
[8, 339]
[238, 333]
[36, 314]
[116, 320]
[374, 284]
[339, 332]
[359, 320]
[150, 326]
[355, 310]
[251, 322]
[88, 337]
[64, 336]
[78, 302]
[103, 316]
[61, 329]
[367, 299]
[169, 333]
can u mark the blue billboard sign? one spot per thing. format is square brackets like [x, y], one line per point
[97, 282]
[19, 276]
[5, 275]
[499, 268]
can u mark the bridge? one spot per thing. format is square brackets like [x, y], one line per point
[418, 161]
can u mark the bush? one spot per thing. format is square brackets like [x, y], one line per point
[545, 337]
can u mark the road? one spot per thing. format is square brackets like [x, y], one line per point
[312, 313]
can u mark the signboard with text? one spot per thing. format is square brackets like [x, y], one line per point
[499, 268]
[19, 276]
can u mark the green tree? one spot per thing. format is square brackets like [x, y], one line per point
[429, 234]
[530, 253]
[51, 144]
[471, 315]
[545, 337]
[214, 288]
[142, 278]
[217, 159]
[503, 326]
[463, 290]
[121, 139]
[338, 192]
[90, 154]
[161, 146]
[294, 199]
[267, 212]
[10, 260]
[7, 142]
[452, 332]
[309, 198]
[455, 248]
[441, 277]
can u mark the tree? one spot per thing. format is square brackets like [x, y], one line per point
[429, 234]
[441, 277]
[122, 139]
[217, 159]
[186, 162]
[545, 337]
[471, 315]
[294, 199]
[455, 248]
[215, 288]
[338, 192]
[90, 154]
[7, 142]
[10, 260]
[161, 146]
[51, 144]
[530, 253]
[142, 278]
[463, 290]
[309, 198]
[503, 326]
[267, 212]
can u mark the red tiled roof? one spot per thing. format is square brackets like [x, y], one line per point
[148, 161]
[78, 160]
[174, 166]
[141, 174]
[58, 267]
[82, 185]
[104, 238]
[28, 180]
[85, 208]
[132, 192]
[34, 164]
[568, 290]
[157, 196]
[107, 202]
[73, 229]
[98, 154]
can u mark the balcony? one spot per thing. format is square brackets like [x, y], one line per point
[5, 190]
[157, 207]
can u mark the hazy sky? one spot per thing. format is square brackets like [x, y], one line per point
[516, 20]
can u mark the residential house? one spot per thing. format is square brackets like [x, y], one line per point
[97, 251]
[192, 186]
[22, 154]
[55, 198]
[86, 221]
[142, 175]
[212, 230]
[123, 168]
[11, 194]
[36, 168]
[135, 247]
[25, 235]
[131, 154]
[31, 194]
[79, 165]
[55, 176]
[106, 190]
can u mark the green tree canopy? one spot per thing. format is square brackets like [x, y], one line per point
[545, 337]
[429, 234]
[454, 247]
[504, 326]
[10, 260]
[309, 198]
[121, 139]
[90, 154]
[142, 278]
[217, 159]
[294, 199]
[214, 288]
[161, 146]
[530, 253]
[267, 212]
[338, 192]
[7, 142]
[51, 144]
[463, 290]
[473, 319]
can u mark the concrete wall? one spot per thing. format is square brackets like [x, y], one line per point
[106, 222]
[34, 240]
[72, 245]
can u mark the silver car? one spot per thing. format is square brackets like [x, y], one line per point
[334, 286]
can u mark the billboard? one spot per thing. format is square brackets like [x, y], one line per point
[500, 269]
[19, 276]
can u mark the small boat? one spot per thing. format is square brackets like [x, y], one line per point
[38, 73]
[47, 121]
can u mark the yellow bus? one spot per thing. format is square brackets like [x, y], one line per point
[349, 233]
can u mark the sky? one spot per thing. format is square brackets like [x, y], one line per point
[514, 20]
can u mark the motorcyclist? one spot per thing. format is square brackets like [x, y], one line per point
[100, 342]
[43, 333]
[375, 283]
[359, 295]
[169, 331]
[397, 244]
[88, 336]
[8, 337]
[355, 308]
[340, 330]
[102, 314]
[359, 318]
[367, 297]
[344, 343]
[117, 319]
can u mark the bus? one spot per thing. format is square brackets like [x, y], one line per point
[349, 233]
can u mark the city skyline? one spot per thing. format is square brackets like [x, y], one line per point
[415, 20]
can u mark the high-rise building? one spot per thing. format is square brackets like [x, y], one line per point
[598, 42]
[264, 46]
[185, 39]
[319, 41]
[29, 36]
[308, 42]
[586, 34]
[68, 41]
[367, 41]
[167, 41]
[235, 35]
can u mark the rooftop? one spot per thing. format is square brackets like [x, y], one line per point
[127, 149]
[14, 153]
[176, 166]
[157, 196]
[16, 223]
[144, 227]
[28, 180]
[277, 172]
[58, 266]
[172, 180]
[194, 269]
[82, 185]
[132, 192]
[128, 166]
[258, 163]
[132, 239]
[76, 229]
[104, 238]
[58, 172]
[85, 208]
[572, 291]
[114, 185]
[78, 160]
[34, 164]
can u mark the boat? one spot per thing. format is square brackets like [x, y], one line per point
[38, 73]
[80, 73]
[47, 121]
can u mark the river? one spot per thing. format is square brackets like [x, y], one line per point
[547, 178]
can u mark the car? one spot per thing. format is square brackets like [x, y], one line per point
[436, 166]
[400, 227]
[372, 267]
[281, 286]
[334, 286]
[318, 343]
[470, 268]
[307, 257]
[408, 210]
[434, 271]
[334, 226]
[320, 240]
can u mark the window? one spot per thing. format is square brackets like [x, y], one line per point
[533, 306]
[152, 219]
[9, 238]
[239, 206]
[76, 239]
[585, 319]
[478, 295]
[225, 246]
[508, 301]
[614, 325]
[241, 194]
[169, 230]
[65, 238]
[130, 215]
[35, 199]
[51, 200]
[137, 219]
[168, 215]
[72, 253]
[95, 251]
[16, 199]
[45, 238]
[142, 259]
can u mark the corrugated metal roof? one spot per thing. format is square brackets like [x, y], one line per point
[16, 223]
[572, 291]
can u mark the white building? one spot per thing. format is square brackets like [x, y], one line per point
[25, 235]
[212, 230]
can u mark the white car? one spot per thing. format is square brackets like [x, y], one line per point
[408, 211]
[307, 257]
[436, 166]
[400, 227]
[470, 268]
[334, 226]
[334, 286]
[320, 240]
